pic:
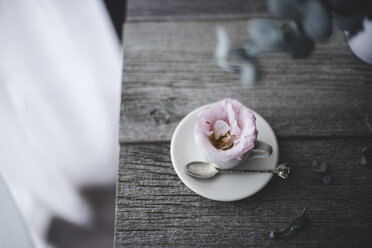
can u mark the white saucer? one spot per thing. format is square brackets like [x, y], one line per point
[226, 187]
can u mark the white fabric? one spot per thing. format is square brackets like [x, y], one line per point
[59, 105]
[14, 233]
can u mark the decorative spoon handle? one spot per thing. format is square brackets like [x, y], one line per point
[281, 170]
[246, 171]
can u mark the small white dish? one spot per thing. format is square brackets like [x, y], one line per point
[225, 187]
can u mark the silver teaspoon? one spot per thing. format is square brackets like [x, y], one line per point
[208, 170]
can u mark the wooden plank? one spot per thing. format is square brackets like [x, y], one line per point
[169, 71]
[154, 208]
[166, 10]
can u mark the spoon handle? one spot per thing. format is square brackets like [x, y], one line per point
[247, 171]
[281, 170]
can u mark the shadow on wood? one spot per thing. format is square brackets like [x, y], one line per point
[66, 235]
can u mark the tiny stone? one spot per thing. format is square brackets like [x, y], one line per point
[365, 150]
[273, 234]
[368, 123]
[319, 166]
[363, 160]
[160, 116]
[326, 179]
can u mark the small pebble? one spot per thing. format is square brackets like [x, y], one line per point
[364, 150]
[273, 234]
[368, 123]
[363, 160]
[326, 179]
[365, 155]
[319, 166]
[160, 116]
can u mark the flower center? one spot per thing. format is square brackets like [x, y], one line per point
[221, 137]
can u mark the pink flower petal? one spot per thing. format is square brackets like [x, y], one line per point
[221, 117]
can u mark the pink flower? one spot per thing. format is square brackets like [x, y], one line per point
[226, 130]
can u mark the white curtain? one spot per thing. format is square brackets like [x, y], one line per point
[59, 106]
[15, 232]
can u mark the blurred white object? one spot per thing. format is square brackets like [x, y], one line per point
[60, 93]
[14, 233]
[361, 43]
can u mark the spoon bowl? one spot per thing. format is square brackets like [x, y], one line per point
[201, 169]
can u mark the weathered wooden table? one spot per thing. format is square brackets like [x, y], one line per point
[316, 106]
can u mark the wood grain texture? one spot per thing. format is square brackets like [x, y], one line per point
[169, 71]
[155, 209]
[167, 10]
[316, 106]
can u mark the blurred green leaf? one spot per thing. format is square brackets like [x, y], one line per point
[249, 74]
[316, 21]
[287, 9]
[296, 44]
[222, 49]
[265, 35]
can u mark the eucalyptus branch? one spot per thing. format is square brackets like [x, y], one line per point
[303, 23]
